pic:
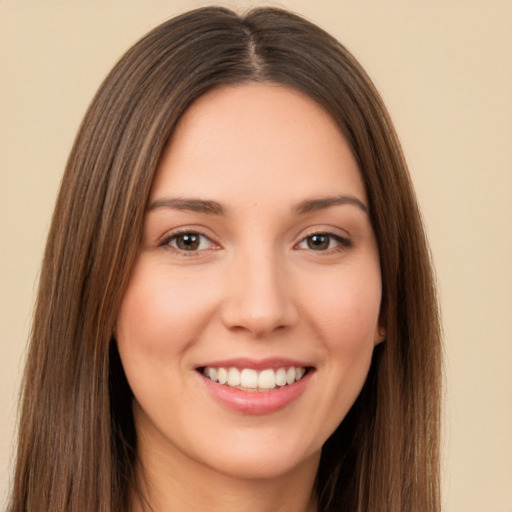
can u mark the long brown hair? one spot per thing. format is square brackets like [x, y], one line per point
[77, 445]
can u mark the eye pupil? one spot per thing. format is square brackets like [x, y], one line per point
[188, 241]
[318, 242]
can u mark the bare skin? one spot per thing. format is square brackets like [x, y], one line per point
[223, 493]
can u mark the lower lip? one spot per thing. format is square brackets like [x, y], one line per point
[257, 402]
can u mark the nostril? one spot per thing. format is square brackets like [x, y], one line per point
[260, 321]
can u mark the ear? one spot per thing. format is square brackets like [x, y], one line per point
[380, 334]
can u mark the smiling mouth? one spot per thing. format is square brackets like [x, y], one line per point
[249, 379]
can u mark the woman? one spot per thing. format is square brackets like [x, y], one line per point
[236, 307]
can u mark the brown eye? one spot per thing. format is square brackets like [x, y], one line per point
[319, 242]
[189, 242]
[324, 242]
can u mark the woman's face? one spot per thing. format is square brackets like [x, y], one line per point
[248, 325]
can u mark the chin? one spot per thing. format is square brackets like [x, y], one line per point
[265, 465]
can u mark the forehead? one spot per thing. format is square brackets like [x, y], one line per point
[257, 140]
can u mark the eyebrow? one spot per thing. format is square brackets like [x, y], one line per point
[195, 205]
[311, 205]
[215, 208]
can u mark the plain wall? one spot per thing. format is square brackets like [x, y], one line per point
[444, 69]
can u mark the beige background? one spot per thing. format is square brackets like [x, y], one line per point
[445, 71]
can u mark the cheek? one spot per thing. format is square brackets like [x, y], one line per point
[342, 309]
[346, 306]
[161, 311]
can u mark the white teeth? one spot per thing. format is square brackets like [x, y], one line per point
[233, 377]
[211, 373]
[267, 379]
[250, 379]
[222, 375]
[281, 377]
[299, 373]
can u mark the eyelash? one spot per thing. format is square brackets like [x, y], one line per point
[341, 242]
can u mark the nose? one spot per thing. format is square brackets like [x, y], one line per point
[259, 297]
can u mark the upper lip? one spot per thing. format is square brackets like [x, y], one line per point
[256, 364]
